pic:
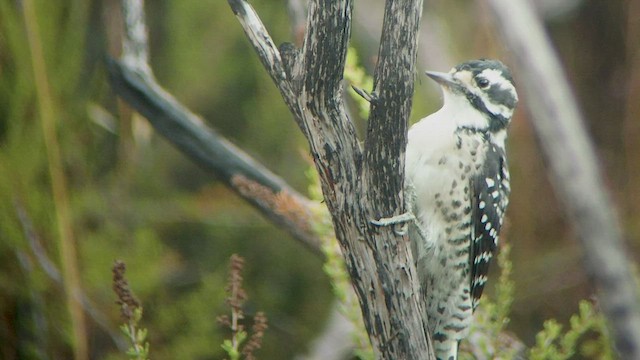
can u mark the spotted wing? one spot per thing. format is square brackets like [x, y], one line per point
[489, 201]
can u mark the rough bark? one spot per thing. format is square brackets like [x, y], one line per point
[357, 186]
[574, 169]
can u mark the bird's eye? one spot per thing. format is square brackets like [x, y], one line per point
[482, 83]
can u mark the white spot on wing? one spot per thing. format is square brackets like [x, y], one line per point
[484, 257]
[480, 280]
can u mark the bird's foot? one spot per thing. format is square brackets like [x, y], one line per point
[396, 220]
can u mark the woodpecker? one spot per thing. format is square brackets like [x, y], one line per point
[457, 190]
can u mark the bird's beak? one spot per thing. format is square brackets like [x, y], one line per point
[445, 79]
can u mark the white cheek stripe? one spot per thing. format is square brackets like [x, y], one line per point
[495, 77]
[496, 109]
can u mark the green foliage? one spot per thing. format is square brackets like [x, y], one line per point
[139, 349]
[356, 75]
[587, 336]
[492, 317]
[145, 203]
[241, 345]
[131, 312]
[553, 344]
[133, 196]
[505, 289]
[498, 310]
[231, 346]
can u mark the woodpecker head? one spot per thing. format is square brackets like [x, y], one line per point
[482, 93]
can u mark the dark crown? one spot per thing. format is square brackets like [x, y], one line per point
[491, 90]
[497, 93]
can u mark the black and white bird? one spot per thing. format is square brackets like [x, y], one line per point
[458, 190]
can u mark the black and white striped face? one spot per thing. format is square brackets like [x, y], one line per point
[485, 85]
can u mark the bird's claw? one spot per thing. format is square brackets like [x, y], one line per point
[395, 220]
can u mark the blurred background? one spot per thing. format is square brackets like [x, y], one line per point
[132, 196]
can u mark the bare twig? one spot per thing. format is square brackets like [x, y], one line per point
[133, 80]
[135, 48]
[269, 54]
[189, 134]
[65, 237]
[573, 166]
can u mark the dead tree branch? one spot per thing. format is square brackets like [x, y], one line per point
[252, 181]
[358, 186]
[309, 79]
[573, 166]
[135, 45]
[132, 79]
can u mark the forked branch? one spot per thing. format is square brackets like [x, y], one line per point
[310, 81]
[262, 43]
[357, 186]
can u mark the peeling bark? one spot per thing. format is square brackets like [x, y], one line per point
[358, 186]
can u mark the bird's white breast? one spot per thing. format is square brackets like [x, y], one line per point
[437, 156]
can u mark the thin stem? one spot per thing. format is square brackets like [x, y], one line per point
[66, 241]
[234, 317]
[187, 132]
[135, 48]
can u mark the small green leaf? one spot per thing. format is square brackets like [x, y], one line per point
[141, 335]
